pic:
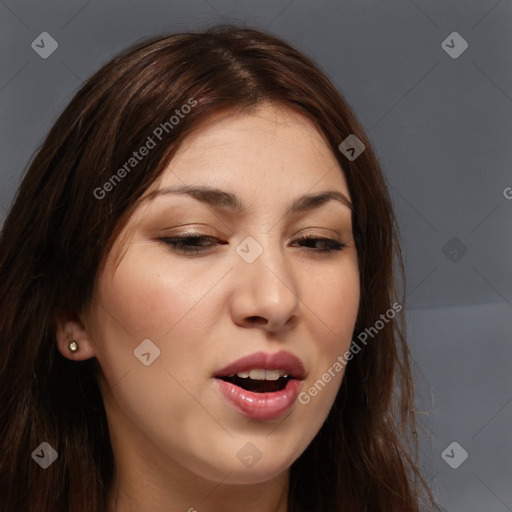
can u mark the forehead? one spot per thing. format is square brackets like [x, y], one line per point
[269, 152]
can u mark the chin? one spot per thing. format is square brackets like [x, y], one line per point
[257, 474]
[234, 471]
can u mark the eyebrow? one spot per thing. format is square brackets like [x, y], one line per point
[221, 199]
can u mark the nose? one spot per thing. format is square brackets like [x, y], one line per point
[266, 292]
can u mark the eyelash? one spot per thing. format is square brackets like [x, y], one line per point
[178, 243]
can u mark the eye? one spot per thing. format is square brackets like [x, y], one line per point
[195, 243]
[191, 243]
[329, 244]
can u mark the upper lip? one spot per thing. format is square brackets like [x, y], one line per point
[278, 361]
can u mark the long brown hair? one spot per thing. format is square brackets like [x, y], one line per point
[61, 227]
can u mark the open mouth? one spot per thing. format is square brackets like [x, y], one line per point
[258, 386]
[262, 386]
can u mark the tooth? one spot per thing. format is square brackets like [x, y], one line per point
[258, 374]
[262, 374]
[272, 374]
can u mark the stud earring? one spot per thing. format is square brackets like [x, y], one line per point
[73, 346]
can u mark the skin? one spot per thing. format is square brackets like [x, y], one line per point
[175, 438]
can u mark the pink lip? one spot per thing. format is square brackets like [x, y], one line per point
[260, 406]
[263, 406]
[280, 360]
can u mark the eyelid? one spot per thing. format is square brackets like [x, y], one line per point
[313, 231]
[194, 232]
[331, 245]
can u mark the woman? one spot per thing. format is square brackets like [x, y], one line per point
[197, 304]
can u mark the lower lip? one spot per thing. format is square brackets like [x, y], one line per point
[260, 406]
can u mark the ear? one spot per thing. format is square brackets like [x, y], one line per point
[71, 328]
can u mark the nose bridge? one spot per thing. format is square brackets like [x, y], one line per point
[262, 251]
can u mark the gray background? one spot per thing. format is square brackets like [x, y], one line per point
[442, 129]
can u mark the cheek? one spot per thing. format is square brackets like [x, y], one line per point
[334, 300]
[151, 297]
[147, 298]
[334, 303]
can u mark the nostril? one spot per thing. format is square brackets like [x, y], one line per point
[257, 320]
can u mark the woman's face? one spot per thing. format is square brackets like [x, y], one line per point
[164, 322]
